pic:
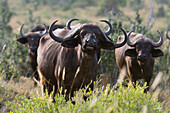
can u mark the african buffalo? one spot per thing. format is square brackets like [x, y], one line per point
[136, 58]
[68, 58]
[32, 39]
[167, 34]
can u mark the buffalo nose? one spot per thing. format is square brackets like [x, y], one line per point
[33, 48]
[142, 56]
[91, 41]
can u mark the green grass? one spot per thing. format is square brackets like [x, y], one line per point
[122, 100]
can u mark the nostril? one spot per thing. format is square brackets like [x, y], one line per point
[94, 41]
[139, 56]
[142, 56]
[87, 41]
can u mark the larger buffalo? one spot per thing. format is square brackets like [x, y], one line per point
[136, 58]
[68, 57]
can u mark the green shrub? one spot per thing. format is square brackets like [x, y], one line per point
[121, 100]
[13, 59]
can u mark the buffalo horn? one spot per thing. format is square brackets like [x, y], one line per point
[125, 39]
[160, 42]
[46, 30]
[21, 33]
[110, 27]
[69, 23]
[129, 42]
[56, 38]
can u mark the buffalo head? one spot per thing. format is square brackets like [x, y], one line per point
[144, 48]
[89, 36]
[31, 38]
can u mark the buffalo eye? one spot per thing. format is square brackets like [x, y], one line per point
[83, 34]
[137, 48]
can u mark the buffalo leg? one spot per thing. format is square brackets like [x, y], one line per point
[42, 82]
[54, 92]
[147, 89]
[36, 76]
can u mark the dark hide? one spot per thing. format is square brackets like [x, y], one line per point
[70, 55]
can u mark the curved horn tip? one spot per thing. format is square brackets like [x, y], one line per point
[102, 20]
[160, 34]
[131, 31]
[160, 42]
[69, 23]
[58, 39]
[46, 30]
[121, 29]
[54, 22]
[50, 28]
[74, 19]
[124, 41]
[158, 31]
[21, 33]
[21, 26]
[110, 25]
[45, 25]
[128, 40]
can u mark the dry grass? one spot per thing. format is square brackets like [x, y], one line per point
[10, 89]
[48, 15]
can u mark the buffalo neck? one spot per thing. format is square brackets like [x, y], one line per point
[32, 54]
[88, 63]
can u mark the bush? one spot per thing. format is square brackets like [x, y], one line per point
[13, 59]
[121, 100]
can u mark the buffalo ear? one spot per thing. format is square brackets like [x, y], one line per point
[130, 52]
[107, 45]
[22, 40]
[71, 43]
[157, 53]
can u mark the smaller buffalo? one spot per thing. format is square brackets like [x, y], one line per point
[136, 58]
[32, 39]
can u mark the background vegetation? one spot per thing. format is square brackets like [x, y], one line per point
[143, 16]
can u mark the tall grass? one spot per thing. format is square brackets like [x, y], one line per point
[117, 101]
